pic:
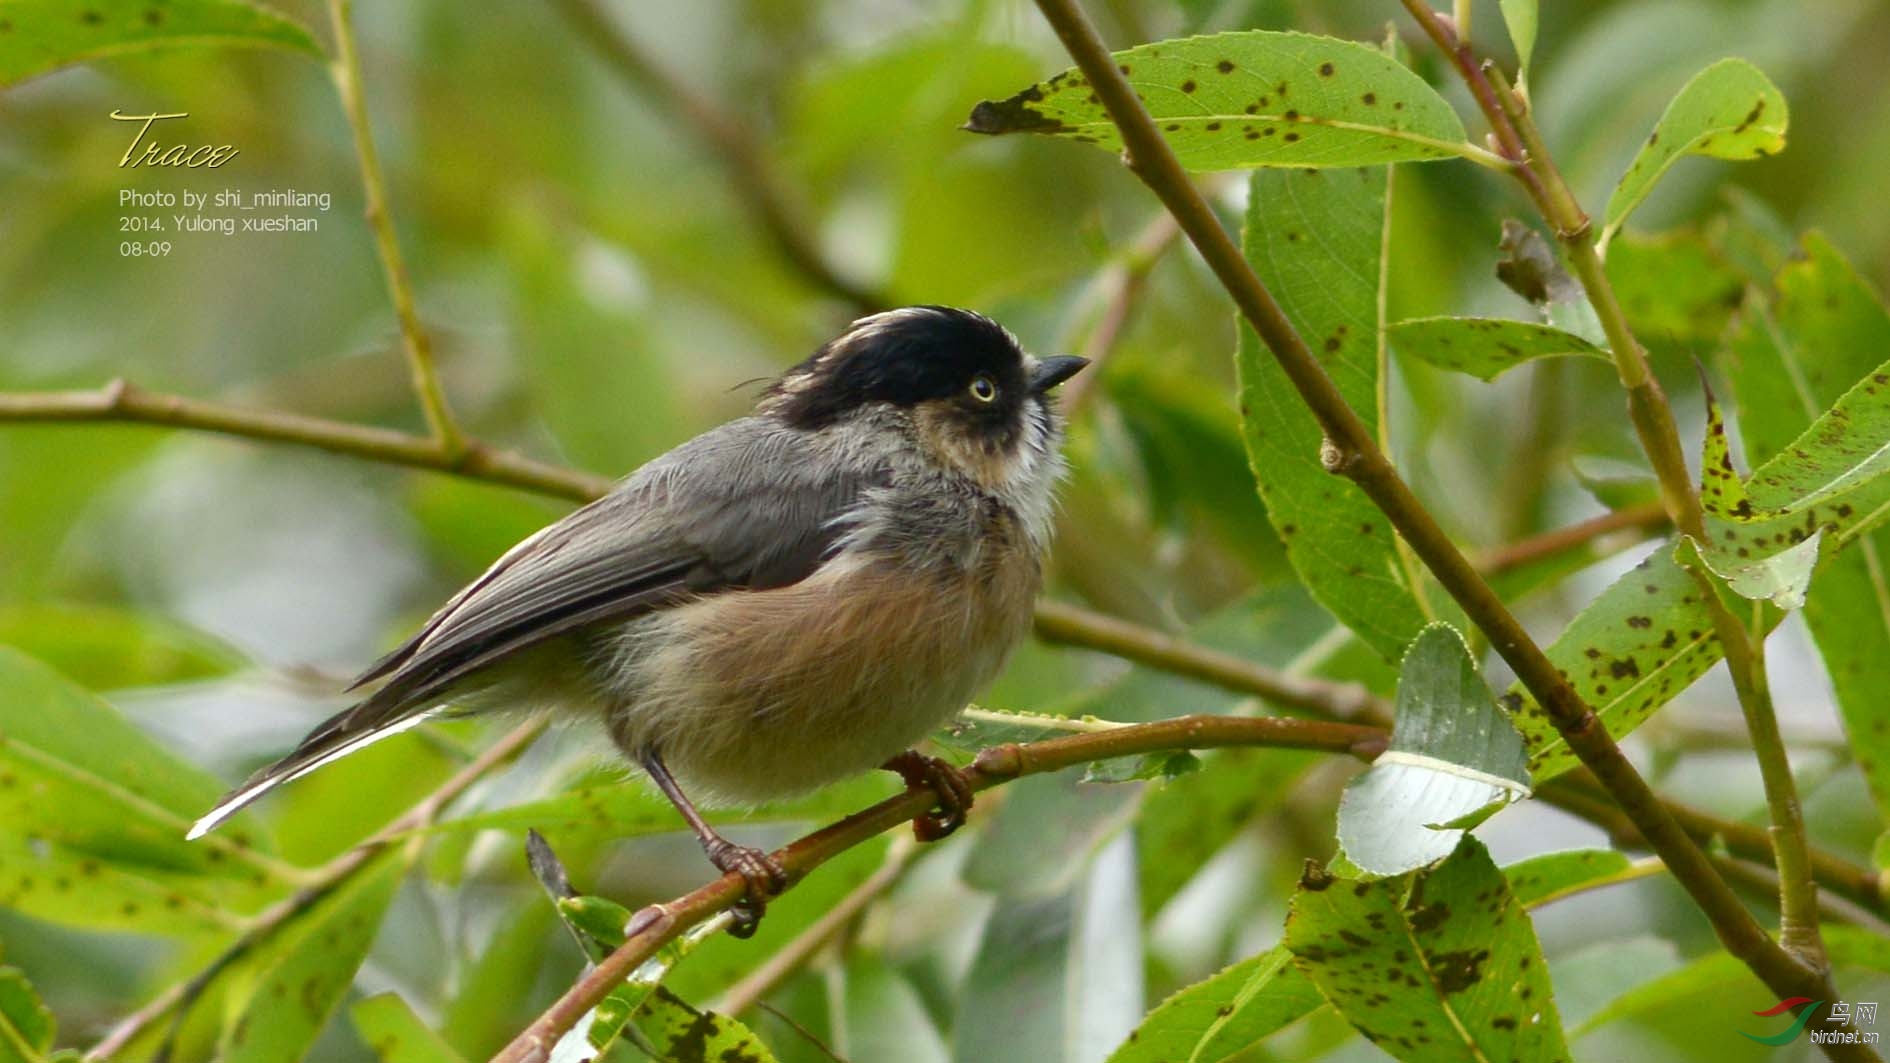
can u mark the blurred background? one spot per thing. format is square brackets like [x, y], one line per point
[599, 289]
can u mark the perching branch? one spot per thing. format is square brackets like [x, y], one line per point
[1355, 454]
[1515, 131]
[729, 140]
[653, 927]
[1644, 520]
[346, 71]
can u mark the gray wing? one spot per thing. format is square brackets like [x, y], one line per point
[747, 505]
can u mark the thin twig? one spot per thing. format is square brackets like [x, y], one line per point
[1352, 452]
[346, 71]
[120, 401]
[1063, 624]
[653, 927]
[1644, 518]
[794, 955]
[1652, 416]
[729, 140]
[329, 877]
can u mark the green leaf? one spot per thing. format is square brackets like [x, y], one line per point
[681, 1033]
[1520, 17]
[38, 36]
[1436, 965]
[1719, 973]
[93, 815]
[1317, 239]
[1185, 821]
[885, 1017]
[1452, 755]
[1745, 553]
[598, 918]
[106, 649]
[1787, 360]
[1730, 110]
[1485, 347]
[396, 1034]
[290, 985]
[1234, 101]
[26, 1026]
[1631, 650]
[1057, 979]
[1219, 1018]
[1674, 287]
[1549, 877]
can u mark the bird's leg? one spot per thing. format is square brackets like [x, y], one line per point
[947, 784]
[763, 873]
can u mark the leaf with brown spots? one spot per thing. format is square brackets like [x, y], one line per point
[44, 35]
[283, 992]
[681, 1034]
[93, 814]
[1438, 965]
[1788, 357]
[396, 1034]
[1219, 1018]
[1485, 347]
[1730, 110]
[1336, 539]
[1651, 628]
[1235, 101]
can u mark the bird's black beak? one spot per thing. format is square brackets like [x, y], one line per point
[1055, 370]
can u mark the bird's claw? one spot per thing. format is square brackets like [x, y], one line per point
[762, 872]
[948, 785]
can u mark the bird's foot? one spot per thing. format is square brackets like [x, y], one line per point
[948, 785]
[763, 873]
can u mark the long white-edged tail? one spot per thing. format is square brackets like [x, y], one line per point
[327, 744]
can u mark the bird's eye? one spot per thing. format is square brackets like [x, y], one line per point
[983, 388]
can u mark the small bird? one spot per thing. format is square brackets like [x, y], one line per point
[793, 597]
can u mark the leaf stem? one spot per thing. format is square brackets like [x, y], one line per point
[346, 72]
[658, 924]
[1652, 416]
[1352, 452]
[729, 140]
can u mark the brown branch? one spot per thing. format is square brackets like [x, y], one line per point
[1652, 416]
[120, 401]
[1353, 452]
[726, 138]
[653, 927]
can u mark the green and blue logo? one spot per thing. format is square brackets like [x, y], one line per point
[1789, 1032]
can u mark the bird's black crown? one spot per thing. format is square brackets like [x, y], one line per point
[903, 357]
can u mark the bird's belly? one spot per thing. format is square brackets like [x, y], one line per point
[757, 695]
